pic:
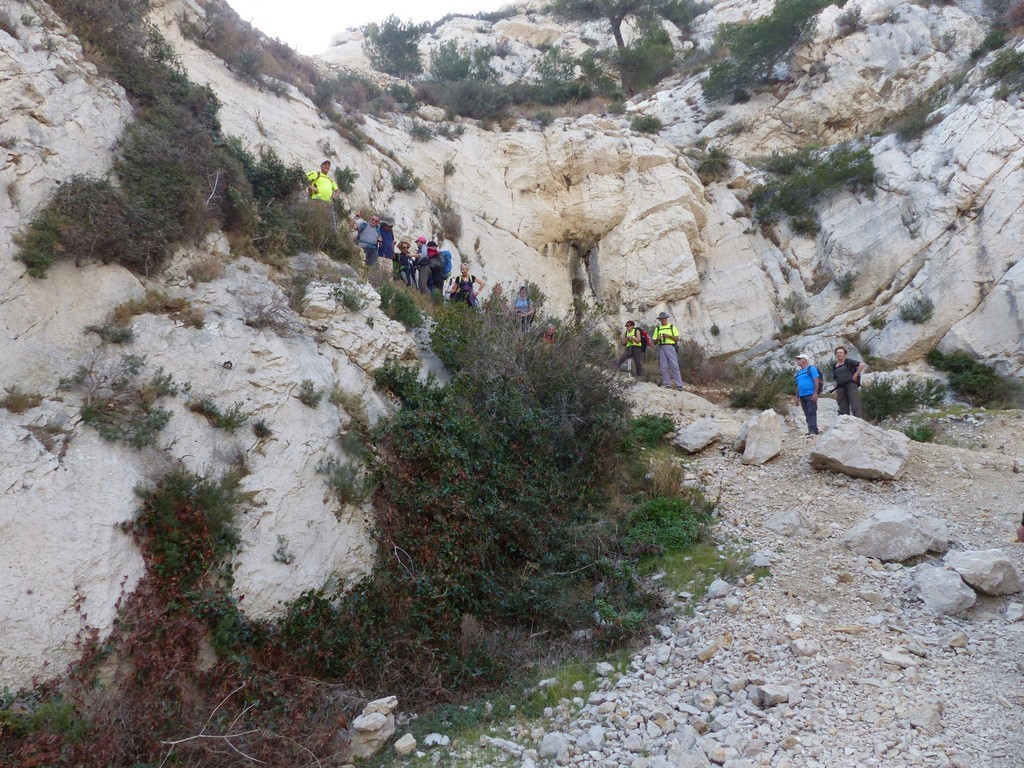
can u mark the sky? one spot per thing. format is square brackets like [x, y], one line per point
[309, 25]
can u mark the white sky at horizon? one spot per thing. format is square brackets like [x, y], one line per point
[309, 25]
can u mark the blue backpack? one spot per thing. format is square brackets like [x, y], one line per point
[447, 264]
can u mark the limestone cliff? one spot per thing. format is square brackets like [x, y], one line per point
[584, 207]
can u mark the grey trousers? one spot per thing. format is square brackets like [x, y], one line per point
[668, 362]
[636, 354]
[848, 398]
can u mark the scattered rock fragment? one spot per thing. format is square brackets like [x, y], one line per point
[942, 591]
[406, 745]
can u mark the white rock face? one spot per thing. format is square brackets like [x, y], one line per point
[859, 449]
[942, 591]
[895, 535]
[989, 571]
[65, 560]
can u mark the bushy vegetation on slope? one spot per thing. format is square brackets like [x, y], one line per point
[511, 504]
[175, 176]
[755, 49]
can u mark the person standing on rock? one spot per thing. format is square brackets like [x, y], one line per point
[666, 339]
[368, 238]
[808, 387]
[846, 373]
[634, 349]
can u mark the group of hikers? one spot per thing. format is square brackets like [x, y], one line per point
[428, 268]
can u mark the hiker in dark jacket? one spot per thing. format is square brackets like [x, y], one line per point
[846, 374]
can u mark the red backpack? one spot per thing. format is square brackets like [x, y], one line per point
[645, 340]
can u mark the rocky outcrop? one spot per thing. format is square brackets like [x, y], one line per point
[374, 726]
[859, 449]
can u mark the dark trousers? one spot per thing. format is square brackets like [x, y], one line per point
[636, 354]
[848, 398]
[810, 413]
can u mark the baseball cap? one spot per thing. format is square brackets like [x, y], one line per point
[663, 315]
[803, 357]
[421, 239]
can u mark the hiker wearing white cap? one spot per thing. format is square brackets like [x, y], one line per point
[666, 339]
[808, 387]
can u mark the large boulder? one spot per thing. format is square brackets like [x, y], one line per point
[763, 439]
[895, 535]
[988, 571]
[942, 591]
[698, 436]
[859, 449]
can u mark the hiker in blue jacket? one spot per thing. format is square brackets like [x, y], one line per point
[808, 387]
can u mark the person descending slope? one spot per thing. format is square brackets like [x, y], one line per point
[666, 339]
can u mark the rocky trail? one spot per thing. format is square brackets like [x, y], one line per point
[833, 660]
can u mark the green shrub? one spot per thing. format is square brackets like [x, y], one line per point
[16, 401]
[917, 311]
[647, 431]
[309, 395]
[398, 303]
[993, 41]
[230, 420]
[979, 384]
[808, 176]
[761, 389]
[188, 524]
[450, 63]
[118, 403]
[345, 179]
[755, 48]
[520, 445]
[112, 334]
[404, 181]
[645, 124]
[884, 400]
[344, 479]
[794, 326]
[845, 283]
[877, 321]
[920, 433]
[667, 524]
[1007, 69]
[714, 165]
[421, 132]
[647, 60]
[392, 47]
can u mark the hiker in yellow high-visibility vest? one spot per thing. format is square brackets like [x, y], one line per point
[634, 349]
[666, 339]
[321, 185]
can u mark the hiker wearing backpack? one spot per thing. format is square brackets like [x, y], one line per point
[368, 237]
[808, 387]
[321, 186]
[435, 265]
[462, 287]
[666, 338]
[634, 349]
